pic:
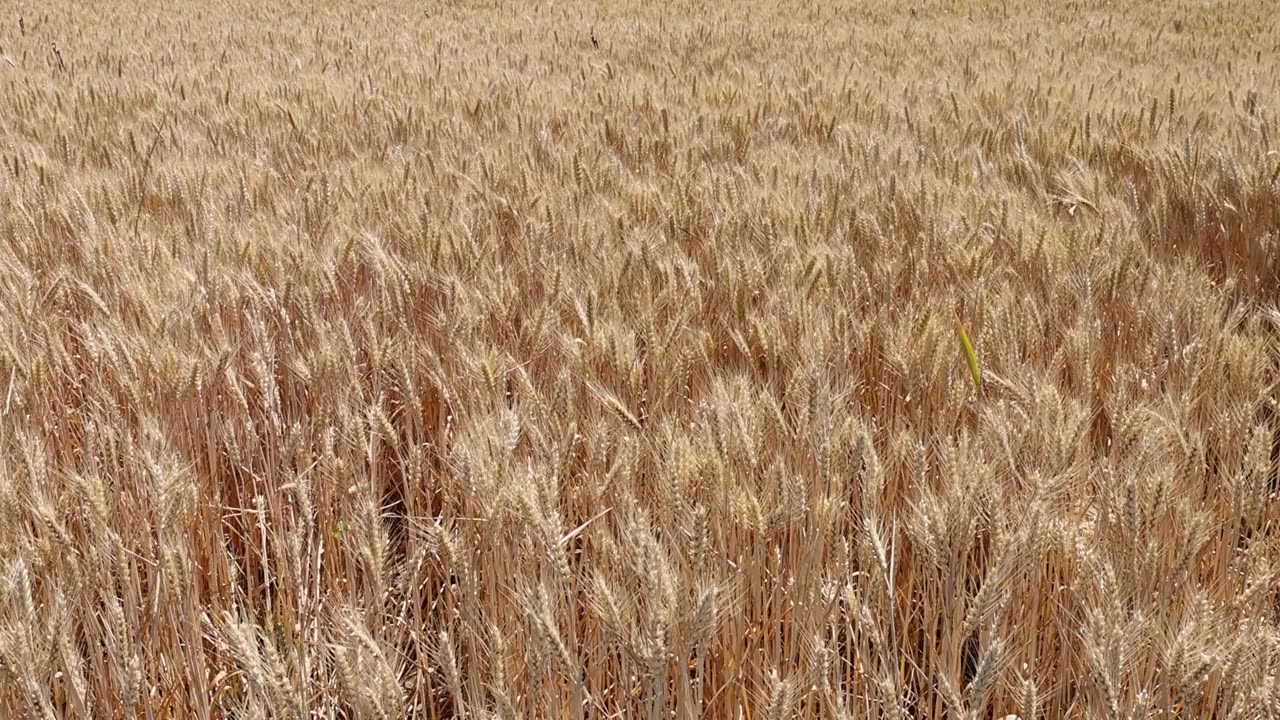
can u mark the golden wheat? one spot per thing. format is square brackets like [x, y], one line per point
[487, 359]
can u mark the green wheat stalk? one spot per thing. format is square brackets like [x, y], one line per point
[970, 357]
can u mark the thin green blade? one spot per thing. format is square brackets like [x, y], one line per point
[975, 370]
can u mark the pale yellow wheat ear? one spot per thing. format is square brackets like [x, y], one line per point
[614, 405]
[366, 674]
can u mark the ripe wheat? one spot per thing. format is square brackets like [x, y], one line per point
[504, 360]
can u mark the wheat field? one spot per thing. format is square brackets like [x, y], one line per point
[639, 360]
